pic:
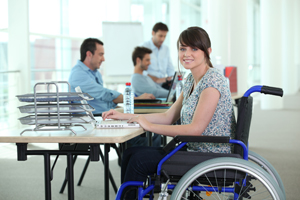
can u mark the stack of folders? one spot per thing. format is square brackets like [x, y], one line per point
[151, 104]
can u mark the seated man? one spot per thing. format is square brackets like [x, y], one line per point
[86, 75]
[141, 83]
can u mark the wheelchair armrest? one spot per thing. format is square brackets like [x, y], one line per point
[170, 145]
[210, 139]
[183, 138]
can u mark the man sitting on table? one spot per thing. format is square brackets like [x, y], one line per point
[141, 83]
[86, 75]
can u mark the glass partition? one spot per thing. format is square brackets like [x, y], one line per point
[52, 58]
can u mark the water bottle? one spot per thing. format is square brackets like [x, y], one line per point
[128, 99]
[179, 86]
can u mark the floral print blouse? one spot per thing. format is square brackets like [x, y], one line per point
[223, 121]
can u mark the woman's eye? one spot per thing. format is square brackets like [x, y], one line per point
[195, 49]
[182, 49]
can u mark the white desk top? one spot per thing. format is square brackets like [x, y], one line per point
[91, 135]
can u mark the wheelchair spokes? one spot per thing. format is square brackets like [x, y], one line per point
[239, 180]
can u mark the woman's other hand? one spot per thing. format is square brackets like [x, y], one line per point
[140, 119]
[113, 114]
[146, 96]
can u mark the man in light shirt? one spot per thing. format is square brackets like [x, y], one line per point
[86, 75]
[161, 69]
[141, 83]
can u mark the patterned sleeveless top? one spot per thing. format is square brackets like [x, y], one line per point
[223, 121]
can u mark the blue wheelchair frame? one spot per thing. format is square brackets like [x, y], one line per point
[142, 192]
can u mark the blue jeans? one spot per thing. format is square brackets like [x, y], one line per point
[137, 164]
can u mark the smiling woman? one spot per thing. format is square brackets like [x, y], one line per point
[204, 108]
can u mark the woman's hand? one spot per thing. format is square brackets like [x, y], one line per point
[144, 123]
[113, 114]
[146, 96]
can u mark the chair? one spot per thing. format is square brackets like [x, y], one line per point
[197, 175]
[86, 146]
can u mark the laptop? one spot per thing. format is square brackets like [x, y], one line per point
[109, 123]
[172, 91]
[171, 95]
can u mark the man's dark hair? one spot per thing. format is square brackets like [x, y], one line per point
[139, 52]
[160, 26]
[88, 44]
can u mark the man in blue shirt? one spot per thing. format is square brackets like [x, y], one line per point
[141, 83]
[86, 75]
[161, 68]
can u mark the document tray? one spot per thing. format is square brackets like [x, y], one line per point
[53, 108]
[52, 97]
[53, 119]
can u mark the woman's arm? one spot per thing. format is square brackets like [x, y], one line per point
[168, 117]
[206, 107]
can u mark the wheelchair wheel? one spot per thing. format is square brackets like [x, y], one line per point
[263, 163]
[227, 178]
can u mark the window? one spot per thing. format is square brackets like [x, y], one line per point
[190, 13]
[3, 15]
[57, 29]
[3, 64]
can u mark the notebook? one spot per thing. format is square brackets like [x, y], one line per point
[109, 123]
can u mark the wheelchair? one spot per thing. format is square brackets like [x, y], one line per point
[243, 174]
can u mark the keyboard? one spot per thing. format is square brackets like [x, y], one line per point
[116, 124]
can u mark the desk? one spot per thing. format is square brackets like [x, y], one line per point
[91, 136]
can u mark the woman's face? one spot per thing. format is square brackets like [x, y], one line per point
[191, 57]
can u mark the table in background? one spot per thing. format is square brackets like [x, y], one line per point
[91, 136]
[151, 109]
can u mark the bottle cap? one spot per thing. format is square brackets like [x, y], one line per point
[179, 77]
[128, 84]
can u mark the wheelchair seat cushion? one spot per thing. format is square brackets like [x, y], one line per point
[183, 161]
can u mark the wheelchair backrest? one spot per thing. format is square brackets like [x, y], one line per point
[243, 122]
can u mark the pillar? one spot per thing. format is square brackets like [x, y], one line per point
[18, 55]
[271, 50]
[174, 31]
[289, 70]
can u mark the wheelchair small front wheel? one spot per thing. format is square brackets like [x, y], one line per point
[227, 178]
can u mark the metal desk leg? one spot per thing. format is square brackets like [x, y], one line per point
[111, 178]
[84, 170]
[149, 134]
[66, 177]
[106, 171]
[47, 176]
[70, 176]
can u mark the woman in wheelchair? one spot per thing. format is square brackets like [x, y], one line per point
[204, 107]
